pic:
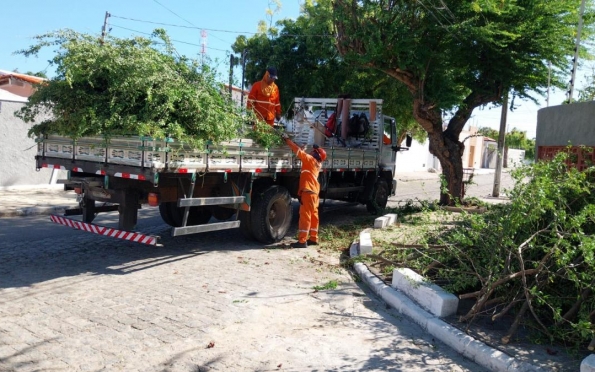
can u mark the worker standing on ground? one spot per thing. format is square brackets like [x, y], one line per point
[308, 191]
[264, 98]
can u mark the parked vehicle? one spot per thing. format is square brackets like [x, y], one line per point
[236, 184]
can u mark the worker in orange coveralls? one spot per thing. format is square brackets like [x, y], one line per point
[264, 98]
[308, 191]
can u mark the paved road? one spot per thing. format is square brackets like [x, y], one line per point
[79, 302]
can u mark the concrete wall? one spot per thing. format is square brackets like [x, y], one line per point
[17, 153]
[516, 158]
[417, 158]
[561, 125]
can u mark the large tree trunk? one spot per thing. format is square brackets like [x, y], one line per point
[446, 146]
[450, 154]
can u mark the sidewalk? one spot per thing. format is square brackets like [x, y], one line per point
[46, 199]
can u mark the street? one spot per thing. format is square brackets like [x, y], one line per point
[75, 301]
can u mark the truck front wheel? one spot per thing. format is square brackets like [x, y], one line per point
[379, 197]
[271, 214]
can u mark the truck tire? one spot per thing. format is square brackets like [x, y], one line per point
[245, 224]
[379, 197]
[174, 215]
[271, 214]
[222, 213]
[165, 216]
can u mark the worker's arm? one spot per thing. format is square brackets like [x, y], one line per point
[294, 147]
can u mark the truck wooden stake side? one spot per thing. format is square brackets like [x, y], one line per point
[236, 184]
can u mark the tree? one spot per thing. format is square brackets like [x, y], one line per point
[455, 56]
[488, 132]
[588, 92]
[309, 65]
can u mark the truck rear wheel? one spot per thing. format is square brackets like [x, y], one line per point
[174, 215]
[246, 224]
[379, 197]
[271, 214]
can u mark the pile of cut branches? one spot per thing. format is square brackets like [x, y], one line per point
[532, 259]
[139, 86]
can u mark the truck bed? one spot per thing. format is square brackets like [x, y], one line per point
[144, 157]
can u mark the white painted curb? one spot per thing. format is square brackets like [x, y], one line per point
[430, 296]
[471, 348]
[588, 364]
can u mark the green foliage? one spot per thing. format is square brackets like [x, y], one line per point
[460, 55]
[304, 52]
[133, 86]
[539, 249]
[588, 92]
[489, 132]
[265, 135]
[515, 139]
[330, 285]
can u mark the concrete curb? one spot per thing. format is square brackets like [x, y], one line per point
[467, 346]
[475, 350]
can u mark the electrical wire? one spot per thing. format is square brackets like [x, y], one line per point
[174, 13]
[177, 41]
[215, 30]
[185, 20]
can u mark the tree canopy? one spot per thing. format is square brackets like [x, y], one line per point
[455, 56]
[309, 65]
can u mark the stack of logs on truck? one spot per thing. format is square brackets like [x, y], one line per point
[567, 128]
[236, 184]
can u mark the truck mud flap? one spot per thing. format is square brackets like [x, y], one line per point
[105, 231]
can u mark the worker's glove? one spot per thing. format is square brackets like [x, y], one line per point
[285, 136]
[278, 117]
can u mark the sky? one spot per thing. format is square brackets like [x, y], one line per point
[186, 21]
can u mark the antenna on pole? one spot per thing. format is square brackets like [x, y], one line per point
[104, 28]
[203, 43]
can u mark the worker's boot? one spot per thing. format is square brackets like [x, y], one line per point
[299, 245]
[311, 242]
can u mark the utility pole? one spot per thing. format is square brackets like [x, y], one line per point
[500, 154]
[104, 28]
[244, 53]
[549, 80]
[576, 48]
[231, 60]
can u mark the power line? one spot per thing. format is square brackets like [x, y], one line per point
[185, 20]
[215, 30]
[174, 13]
[182, 26]
[177, 41]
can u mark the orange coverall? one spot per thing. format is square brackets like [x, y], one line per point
[308, 191]
[264, 100]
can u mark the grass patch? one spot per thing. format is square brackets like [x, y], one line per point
[331, 284]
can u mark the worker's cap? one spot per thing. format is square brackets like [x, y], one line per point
[272, 72]
[318, 153]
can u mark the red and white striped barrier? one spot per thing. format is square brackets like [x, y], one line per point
[105, 231]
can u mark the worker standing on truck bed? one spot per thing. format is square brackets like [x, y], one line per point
[264, 98]
[308, 191]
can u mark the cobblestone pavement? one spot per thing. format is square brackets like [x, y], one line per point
[81, 302]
